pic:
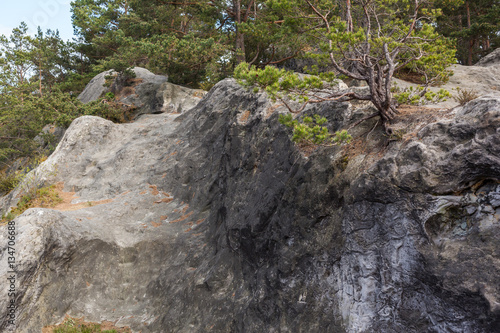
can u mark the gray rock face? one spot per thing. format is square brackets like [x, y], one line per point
[150, 93]
[491, 59]
[151, 98]
[482, 80]
[214, 221]
[95, 88]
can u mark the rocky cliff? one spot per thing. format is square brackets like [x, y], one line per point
[212, 220]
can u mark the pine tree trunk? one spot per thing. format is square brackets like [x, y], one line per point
[471, 41]
[240, 38]
[350, 27]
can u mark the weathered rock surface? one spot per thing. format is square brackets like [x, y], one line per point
[95, 88]
[148, 93]
[482, 80]
[215, 221]
[151, 98]
[491, 59]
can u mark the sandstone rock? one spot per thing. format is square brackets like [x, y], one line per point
[214, 220]
[481, 80]
[147, 94]
[162, 97]
[95, 88]
[491, 59]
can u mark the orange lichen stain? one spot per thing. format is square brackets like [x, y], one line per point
[68, 197]
[198, 234]
[143, 192]
[174, 153]
[182, 218]
[163, 217]
[164, 175]
[185, 209]
[126, 192]
[188, 230]
[165, 200]
[189, 223]
[88, 284]
[154, 190]
[234, 294]
[191, 268]
[178, 141]
[200, 221]
[166, 194]
[176, 210]
[244, 117]
[155, 224]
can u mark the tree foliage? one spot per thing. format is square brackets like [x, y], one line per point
[369, 42]
[196, 43]
[32, 70]
[475, 25]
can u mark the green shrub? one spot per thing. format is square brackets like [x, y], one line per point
[74, 325]
[312, 130]
[43, 197]
[419, 95]
[8, 182]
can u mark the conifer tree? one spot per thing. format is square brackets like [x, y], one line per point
[369, 42]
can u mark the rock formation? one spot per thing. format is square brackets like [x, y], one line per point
[491, 59]
[212, 220]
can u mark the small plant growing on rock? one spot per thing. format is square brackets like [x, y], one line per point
[464, 96]
[109, 96]
[419, 95]
[75, 325]
[9, 181]
[42, 197]
[397, 135]
[312, 131]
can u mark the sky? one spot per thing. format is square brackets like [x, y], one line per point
[48, 14]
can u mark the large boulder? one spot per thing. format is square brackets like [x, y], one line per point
[146, 93]
[95, 88]
[213, 220]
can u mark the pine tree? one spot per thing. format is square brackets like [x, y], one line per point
[369, 42]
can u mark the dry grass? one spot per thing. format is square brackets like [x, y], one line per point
[68, 197]
[76, 325]
[464, 96]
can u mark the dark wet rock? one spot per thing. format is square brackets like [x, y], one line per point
[218, 222]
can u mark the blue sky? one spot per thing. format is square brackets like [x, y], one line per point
[48, 14]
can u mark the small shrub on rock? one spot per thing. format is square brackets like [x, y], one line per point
[464, 96]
